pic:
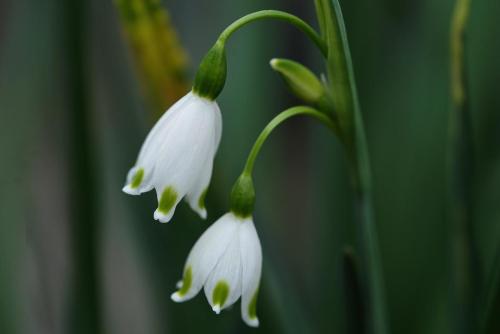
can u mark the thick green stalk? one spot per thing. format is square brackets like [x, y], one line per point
[465, 272]
[275, 15]
[343, 89]
[84, 302]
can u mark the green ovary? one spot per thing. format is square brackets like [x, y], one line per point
[220, 294]
[137, 178]
[167, 200]
[252, 307]
[186, 281]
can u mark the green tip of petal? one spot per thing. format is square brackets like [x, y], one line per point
[252, 307]
[137, 178]
[186, 282]
[201, 200]
[220, 294]
[167, 200]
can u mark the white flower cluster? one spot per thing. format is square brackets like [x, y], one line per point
[176, 160]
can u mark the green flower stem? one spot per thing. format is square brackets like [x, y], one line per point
[276, 15]
[320, 14]
[465, 271]
[352, 135]
[280, 118]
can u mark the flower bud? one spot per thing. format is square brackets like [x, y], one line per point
[243, 196]
[211, 75]
[299, 79]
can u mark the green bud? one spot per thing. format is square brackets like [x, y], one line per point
[243, 196]
[299, 79]
[211, 74]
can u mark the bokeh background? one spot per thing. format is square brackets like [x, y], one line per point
[73, 114]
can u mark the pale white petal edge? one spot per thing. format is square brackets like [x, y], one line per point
[251, 257]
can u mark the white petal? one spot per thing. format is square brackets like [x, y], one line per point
[206, 253]
[251, 258]
[148, 153]
[167, 202]
[187, 148]
[137, 181]
[196, 197]
[218, 125]
[223, 286]
[165, 217]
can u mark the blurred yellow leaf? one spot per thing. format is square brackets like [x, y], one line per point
[158, 55]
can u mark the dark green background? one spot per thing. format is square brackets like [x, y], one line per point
[303, 210]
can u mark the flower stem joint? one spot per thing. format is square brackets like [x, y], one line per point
[243, 196]
[211, 75]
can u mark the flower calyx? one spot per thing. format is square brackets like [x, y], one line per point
[243, 196]
[211, 75]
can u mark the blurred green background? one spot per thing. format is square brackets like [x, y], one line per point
[73, 116]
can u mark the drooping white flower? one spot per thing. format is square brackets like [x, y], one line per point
[177, 156]
[227, 261]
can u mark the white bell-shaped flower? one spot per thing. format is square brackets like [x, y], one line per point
[177, 156]
[227, 261]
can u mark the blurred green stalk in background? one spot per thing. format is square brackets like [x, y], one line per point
[354, 306]
[490, 299]
[84, 305]
[465, 266]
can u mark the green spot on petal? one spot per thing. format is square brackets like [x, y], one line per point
[201, 200]
[186, 281]
[137, 178]
[220, 294]
[167, 200]
[252, 307]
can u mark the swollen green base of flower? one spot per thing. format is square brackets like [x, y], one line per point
[211, 75]
[243, 197]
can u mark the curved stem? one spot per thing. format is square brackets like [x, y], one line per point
[277, 15]
[280, 118]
